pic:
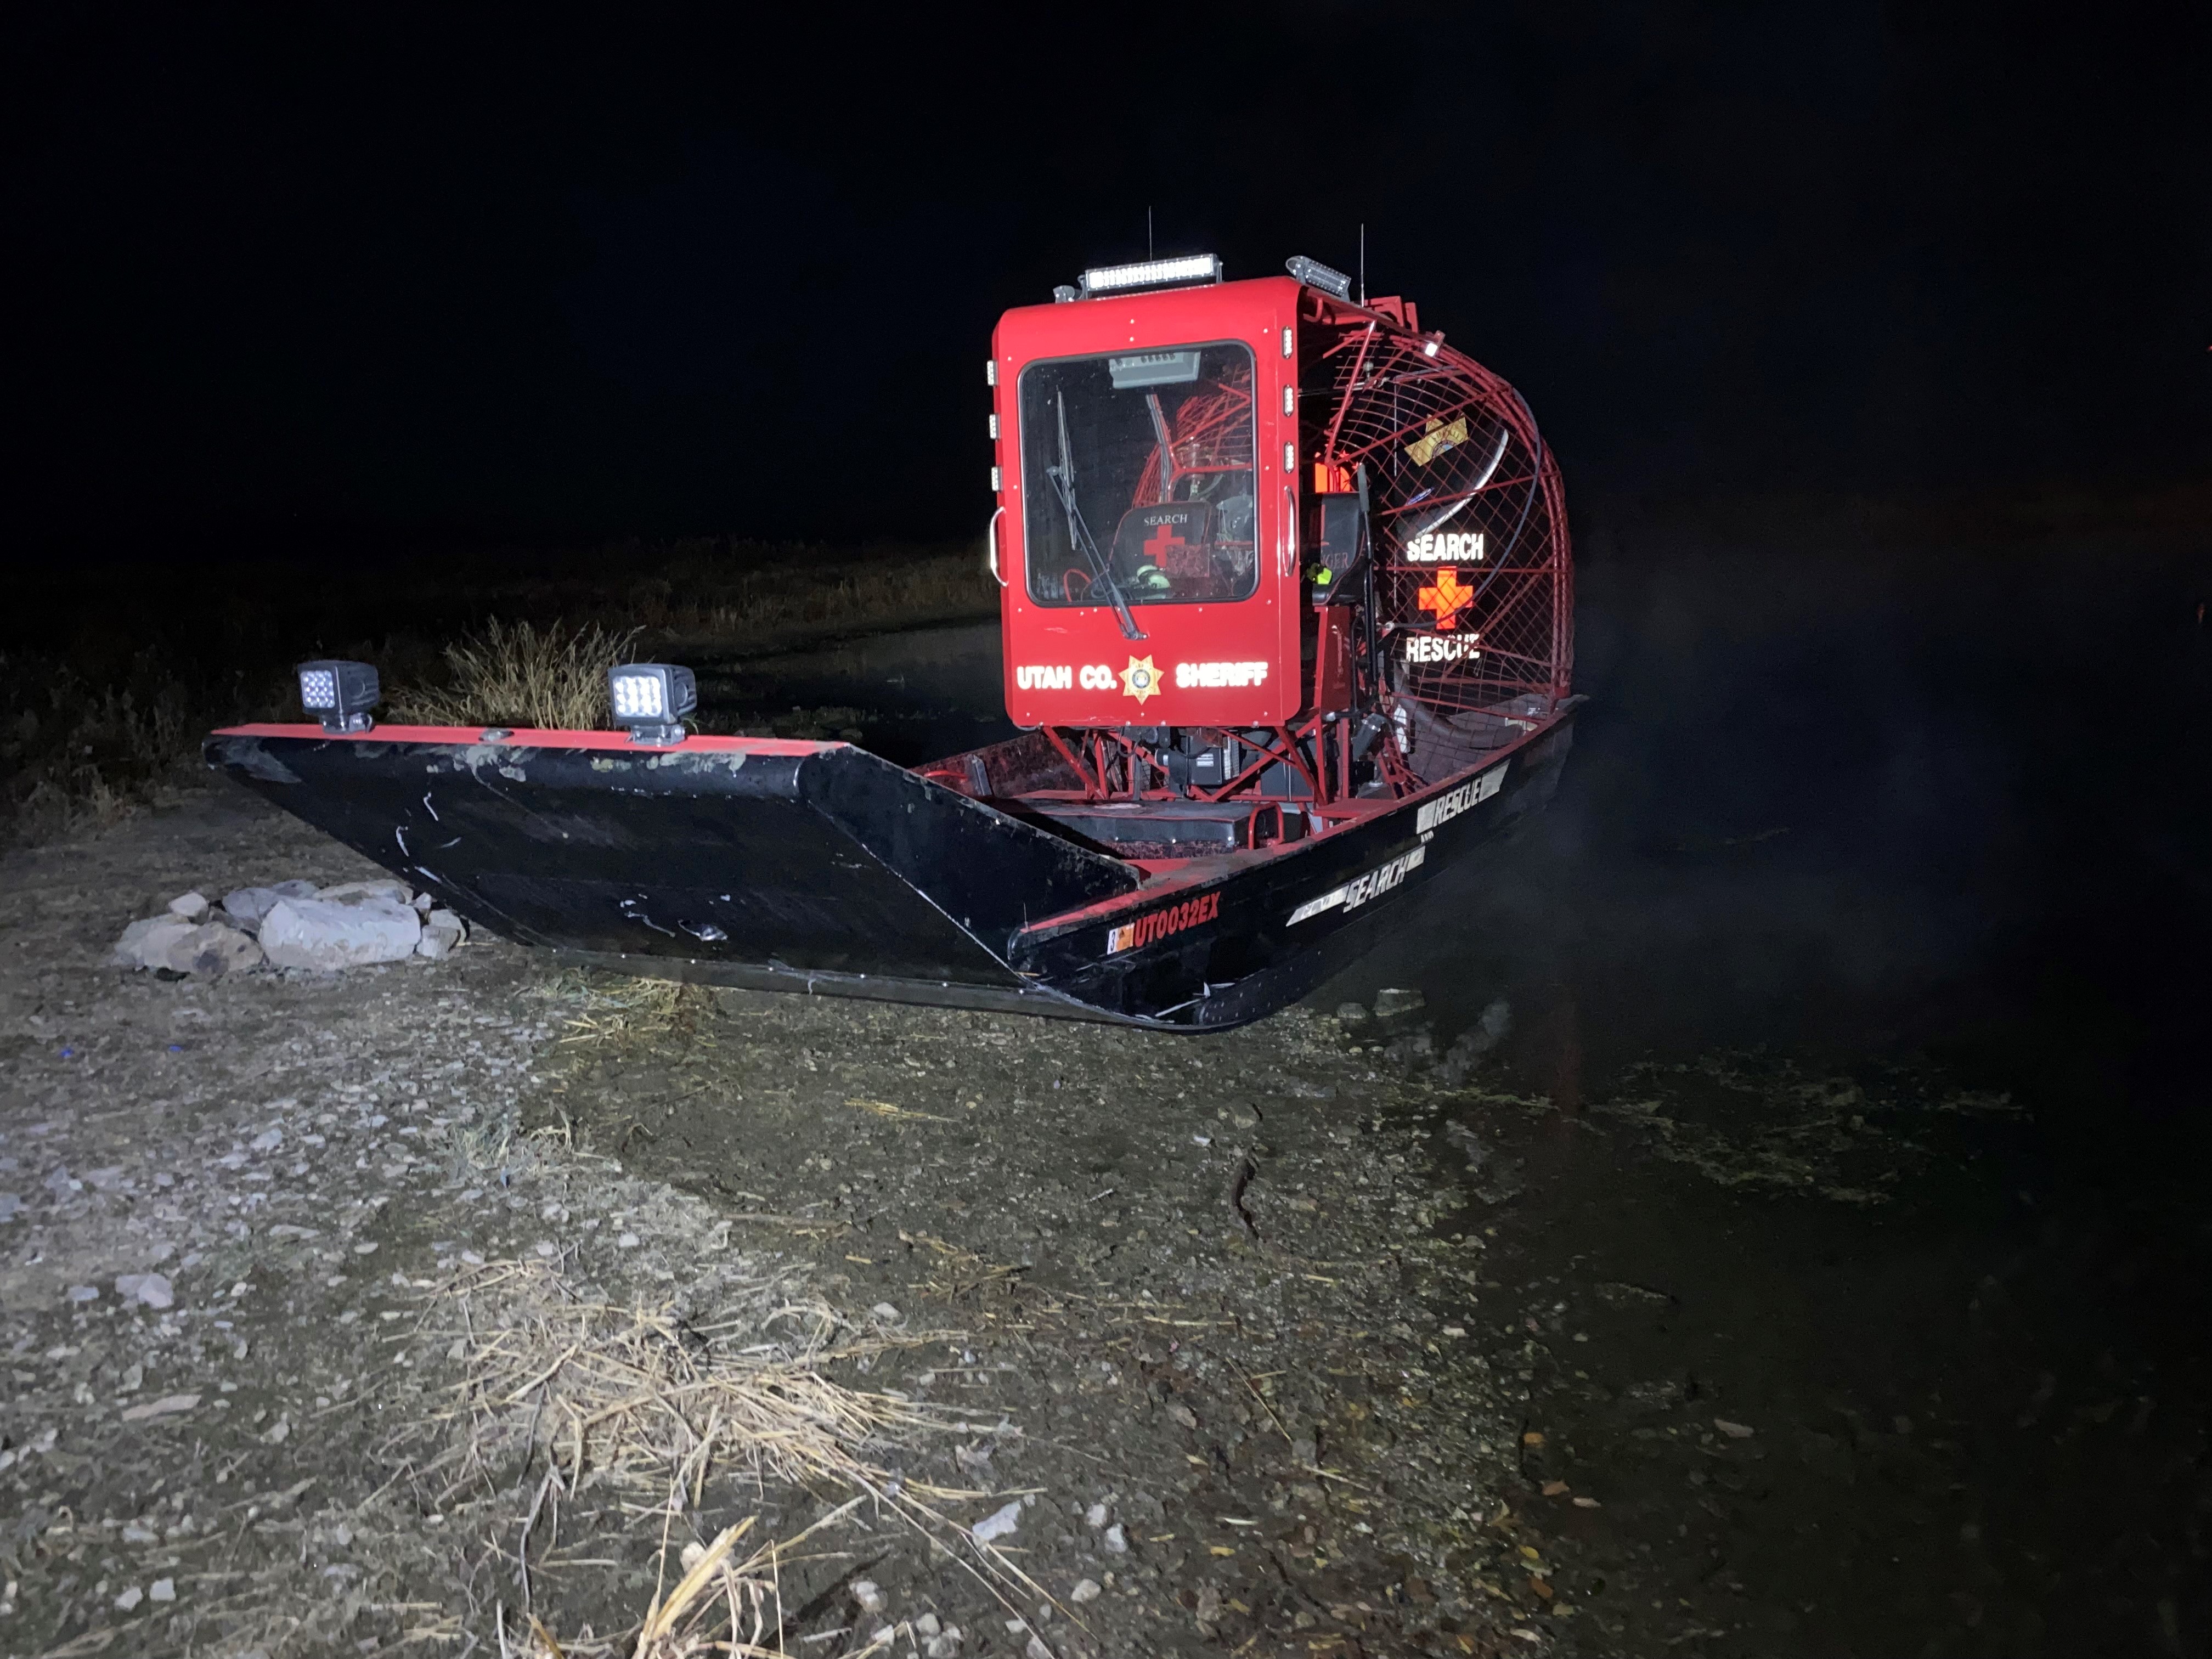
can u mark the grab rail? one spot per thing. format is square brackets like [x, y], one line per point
[990, 537]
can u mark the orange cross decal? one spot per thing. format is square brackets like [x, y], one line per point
[1447, 598]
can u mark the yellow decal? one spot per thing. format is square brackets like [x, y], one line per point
[1437, 439]
[1139, 679]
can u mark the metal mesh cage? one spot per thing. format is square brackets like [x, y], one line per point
[1475, 582]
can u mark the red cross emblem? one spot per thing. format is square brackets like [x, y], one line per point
[1447, 598]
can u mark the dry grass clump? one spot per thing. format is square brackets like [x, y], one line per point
[721, 1605]
[645, 1401]
[517, 674]
[612, 1010]
[638, 1394]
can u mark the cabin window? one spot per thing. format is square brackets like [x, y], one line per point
[1138, 471]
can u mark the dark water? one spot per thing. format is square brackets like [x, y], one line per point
[1919, 825]
[1886, 834]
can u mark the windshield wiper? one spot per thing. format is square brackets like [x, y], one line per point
[1063, 481]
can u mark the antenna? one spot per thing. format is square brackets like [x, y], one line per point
[1148, 232]
[1363, 264]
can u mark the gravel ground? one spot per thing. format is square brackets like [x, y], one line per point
[453, 1307]
[1183, 1304]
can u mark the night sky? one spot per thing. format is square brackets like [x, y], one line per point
[276, 281]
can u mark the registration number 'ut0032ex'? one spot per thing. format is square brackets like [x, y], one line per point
[1158, 924]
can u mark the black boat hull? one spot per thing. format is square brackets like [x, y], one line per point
[822, 868]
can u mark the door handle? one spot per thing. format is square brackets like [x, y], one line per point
[991, 536]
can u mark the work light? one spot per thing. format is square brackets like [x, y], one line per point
[1151, 273]
[651, 699]
[1314, 274]
[340, 694]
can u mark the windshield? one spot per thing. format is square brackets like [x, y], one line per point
[1139, 470]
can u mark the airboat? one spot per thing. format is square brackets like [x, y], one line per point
[1286, 610]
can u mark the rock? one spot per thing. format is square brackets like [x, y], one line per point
[1656, 1396]
[1036, 1650]
[330, 934]
[249, 905]
[443, 934]
[1733, 1430]
[84, 1293]
[1351, 1013]
[692, 1555]
[1116, 1542]
[166, 1406]
[1182, 1414]
[161, 1589]
[1086, 1589]
[268, 1141]
[350, 892]
[1472, 1045]
[9, 1204]
[885, 1311]
[1470, 1143]
[1094, 1516]
[871, 1600]
[153, 1290]
[212, 950]
[1396, 1000]
[998, 1523]
[192, 907]
[130, 1599]
[185, 947]
[146, 944]
[946, 1644]
[926, 1624]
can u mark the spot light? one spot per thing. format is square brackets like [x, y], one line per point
[1314, 274]
[340, 694]
[651, 699]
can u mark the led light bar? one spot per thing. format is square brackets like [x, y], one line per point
[651, 699]
[1314, 274]
[1183, 272]
[340, 694]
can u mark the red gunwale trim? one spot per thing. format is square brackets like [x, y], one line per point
[1164, 878]
[472, 736]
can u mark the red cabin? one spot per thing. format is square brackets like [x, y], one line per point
[1239, 522]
